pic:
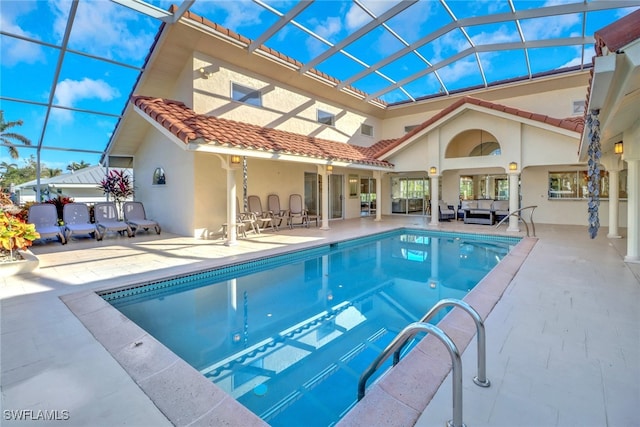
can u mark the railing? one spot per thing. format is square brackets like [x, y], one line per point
[517, 214]
[410, 331]
[406, 334]
[481, 378]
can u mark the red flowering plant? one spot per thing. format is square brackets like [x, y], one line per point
[59, 203]
[117, 185]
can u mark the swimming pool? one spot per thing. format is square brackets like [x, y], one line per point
[292, 334]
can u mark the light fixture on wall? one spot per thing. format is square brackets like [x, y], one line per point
[513, 166]
[433, 170]
[618, 147]
[205, 74]
[235, 160]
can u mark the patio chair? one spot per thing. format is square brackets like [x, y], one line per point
[273, 204]
[135, 216]
[446, 211]
[264, 218]
[76, 221]
[45, 217]
[297, 210]
[106, 216]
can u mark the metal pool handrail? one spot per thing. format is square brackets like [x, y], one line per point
[517, 213]
[481, 378]
[399, 340]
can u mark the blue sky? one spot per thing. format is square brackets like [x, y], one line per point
[108, 30]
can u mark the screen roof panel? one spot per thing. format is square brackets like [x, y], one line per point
[400, 51]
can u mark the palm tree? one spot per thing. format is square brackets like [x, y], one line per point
[74, 166]
[6, 167]
[54, 172]
[6, 137]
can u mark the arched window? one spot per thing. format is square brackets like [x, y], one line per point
[473, 143]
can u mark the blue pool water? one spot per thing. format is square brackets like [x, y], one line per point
[289, 336]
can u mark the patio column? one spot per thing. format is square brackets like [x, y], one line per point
[378, 177]
[614, 201]
[324, 196]
[633, 210]
[435, 195]
[514, 200]
[231, 208]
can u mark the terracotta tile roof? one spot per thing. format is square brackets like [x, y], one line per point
[575, 124]
[188, 127]
[618, 34]
[297, 64]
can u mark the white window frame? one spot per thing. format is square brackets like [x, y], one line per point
[364, 126]
[247, 93]
[328, 115]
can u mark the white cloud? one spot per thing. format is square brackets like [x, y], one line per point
[502, 35]
[239, 13]
[102, 28]
[459, 69]
[448, 45]
[15, 51]
[328, 28]
[70, 92]
[356, 17]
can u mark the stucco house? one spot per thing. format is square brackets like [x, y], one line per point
[209, 98]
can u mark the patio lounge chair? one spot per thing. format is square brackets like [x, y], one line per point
[273, 204]
[76, 221]
[264, 218]
[297, 210]
[135, 216]
[106, 215]
[45, 217]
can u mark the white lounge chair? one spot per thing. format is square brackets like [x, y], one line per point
[45, 217]
[106, 216]
[76, 221]
[135, 216]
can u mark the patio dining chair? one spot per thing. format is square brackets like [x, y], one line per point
[135, 216]
[106, 216]
[45, 217]
[77, 222]
[297, 210]
[264, 218]
[273, 204]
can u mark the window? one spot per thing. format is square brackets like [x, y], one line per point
[574, 185]
[159, 177]
[578, 107]
[366, 130]
[326, 118]
[246, 95]
[409, 128]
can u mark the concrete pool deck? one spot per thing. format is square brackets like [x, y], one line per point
[563, 343]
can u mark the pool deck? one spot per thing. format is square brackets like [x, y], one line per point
[563, 342]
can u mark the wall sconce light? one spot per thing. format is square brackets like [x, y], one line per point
[433, 170]
[513, 166]
[329, 169]
[618, 147]
[235, 160]
[205, 74]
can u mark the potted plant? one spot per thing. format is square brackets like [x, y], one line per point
[16, 235]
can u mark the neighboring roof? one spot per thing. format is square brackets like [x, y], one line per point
[618, 34]
[88, 176]
[575, 124]
[190, 127]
